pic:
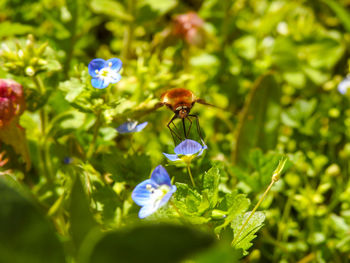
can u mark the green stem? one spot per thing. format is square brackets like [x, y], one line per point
[73, 37]
[129, 31]
[190, 174]
[253, 212]
[43, 149]
[92, 146]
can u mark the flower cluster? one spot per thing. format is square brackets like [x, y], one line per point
[28, 59]
[155, 192]
[11, 101]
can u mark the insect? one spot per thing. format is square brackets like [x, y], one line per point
[181, 101]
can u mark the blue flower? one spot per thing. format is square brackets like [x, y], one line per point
[186, 151]
[131, 126]
[67, 160]
[153, 193]
[344, 85]
[104, 72]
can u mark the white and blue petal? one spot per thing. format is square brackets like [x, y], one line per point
[147, 210]
[166, 198]
[114, 77]
[115, 64]
[344, 85]
[131, 126]
[96, 64]
[127, 127]
[142, 194]
[141, 126]
[99, 83]
[201, 151]
[160, 176]
[188, 147]
[153, 193]
[172, 157]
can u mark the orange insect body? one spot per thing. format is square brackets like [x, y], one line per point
[179, 100]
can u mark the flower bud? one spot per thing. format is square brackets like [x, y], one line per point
[218, 214]
[11, 101]
[30, 71]
[277, 173]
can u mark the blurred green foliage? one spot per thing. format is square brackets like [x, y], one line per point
[271, 66]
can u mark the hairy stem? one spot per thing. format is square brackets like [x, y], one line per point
[43, 149]
[92, 146]
[190, 174]
[253, 212]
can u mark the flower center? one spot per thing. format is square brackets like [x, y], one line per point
[106, 72]
[158, 193]
[187, 158]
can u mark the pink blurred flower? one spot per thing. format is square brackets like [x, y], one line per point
[12, 101]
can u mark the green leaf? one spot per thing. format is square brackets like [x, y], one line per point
[131, 168]
[211, 181]
[259, 120]
[204, 60]
[152, 243]
[295, 78]
[246, 47]
[160, 6]
[110, 8]
[25, 234]
[339, 224]
[81, 220]
[324, 53]
[237, 204]
[283, 54]
[300, 116]
[191, 204]
[249, 231]
[317, 76]
[188, 197]
[72, 93]
[8, 29]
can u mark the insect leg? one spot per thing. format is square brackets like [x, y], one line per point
[184, 126]
[172, 132]
[176, 129]
[198, 127]
[189, 128]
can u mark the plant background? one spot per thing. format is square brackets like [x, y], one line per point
[272, 66]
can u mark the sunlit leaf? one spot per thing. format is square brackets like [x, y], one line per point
[249, 231]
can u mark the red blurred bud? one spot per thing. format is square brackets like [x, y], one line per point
[189, 27]
[11, 101]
